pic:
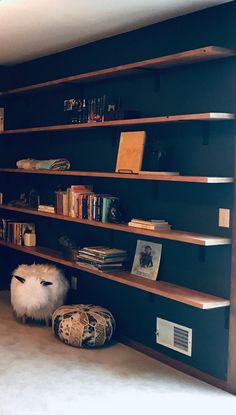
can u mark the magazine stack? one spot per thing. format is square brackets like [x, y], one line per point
[103, 258]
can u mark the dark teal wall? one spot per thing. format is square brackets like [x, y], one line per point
[4, 71]
[193, 207]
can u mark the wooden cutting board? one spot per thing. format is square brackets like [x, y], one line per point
[130, 152]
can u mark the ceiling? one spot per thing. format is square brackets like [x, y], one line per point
[35, 28]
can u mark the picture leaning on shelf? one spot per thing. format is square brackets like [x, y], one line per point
[147, 259]
[131, 152]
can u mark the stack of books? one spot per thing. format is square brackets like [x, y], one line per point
[16, 231]
[103, 258]
[46, 208]
[80, 201]
[152, 224]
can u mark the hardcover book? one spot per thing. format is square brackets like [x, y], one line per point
[147, 259]
[130, 152]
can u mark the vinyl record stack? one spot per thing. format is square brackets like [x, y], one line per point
[103, 258]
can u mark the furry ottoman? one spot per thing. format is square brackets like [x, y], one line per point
[83, 325]
[37, 290]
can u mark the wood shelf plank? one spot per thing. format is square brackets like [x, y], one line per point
[173, 235]
[160, 63]
[112, 175]
[164, 289]
[207, 116]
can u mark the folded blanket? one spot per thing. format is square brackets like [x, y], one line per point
[52, 164]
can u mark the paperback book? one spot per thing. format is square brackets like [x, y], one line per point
[153, 224]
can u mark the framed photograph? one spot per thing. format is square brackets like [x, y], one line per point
[147, 259]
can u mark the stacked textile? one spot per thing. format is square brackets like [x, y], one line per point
[52, 164]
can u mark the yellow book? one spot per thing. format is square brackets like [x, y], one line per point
[130, 153]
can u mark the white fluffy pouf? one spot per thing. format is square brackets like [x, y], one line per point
[37, 290]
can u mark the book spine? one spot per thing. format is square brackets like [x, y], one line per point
[79, 206]
[21, 235]
[72, 206]
[94, 204]
[69, 200]
[98, 208]
[85, 207]
[18, 242]
[61, 203]
[57, 202]
[15, 233]
[105, 209]
[65, 204]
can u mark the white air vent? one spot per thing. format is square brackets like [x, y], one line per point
[174, 336]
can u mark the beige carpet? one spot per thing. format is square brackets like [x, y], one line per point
[40, 376]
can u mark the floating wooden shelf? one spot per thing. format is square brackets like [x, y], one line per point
[207, 116]
[140, 176]
[182, 58]
[164, 289]
[180, 236]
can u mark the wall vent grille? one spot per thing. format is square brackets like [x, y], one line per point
[174, 336]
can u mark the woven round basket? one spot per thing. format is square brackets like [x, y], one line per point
[83, 325]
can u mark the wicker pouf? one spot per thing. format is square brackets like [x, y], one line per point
[83, 325]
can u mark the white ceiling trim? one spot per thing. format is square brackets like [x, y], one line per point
[35, 28]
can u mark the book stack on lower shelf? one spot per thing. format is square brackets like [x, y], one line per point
[103, 258]
[152, 224]
[14, 232]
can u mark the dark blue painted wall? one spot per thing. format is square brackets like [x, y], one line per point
[194, 88]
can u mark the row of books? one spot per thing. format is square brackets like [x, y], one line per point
[14, 232]
[79, 201]
[103, 258]
[95, 109]
[152, 224]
